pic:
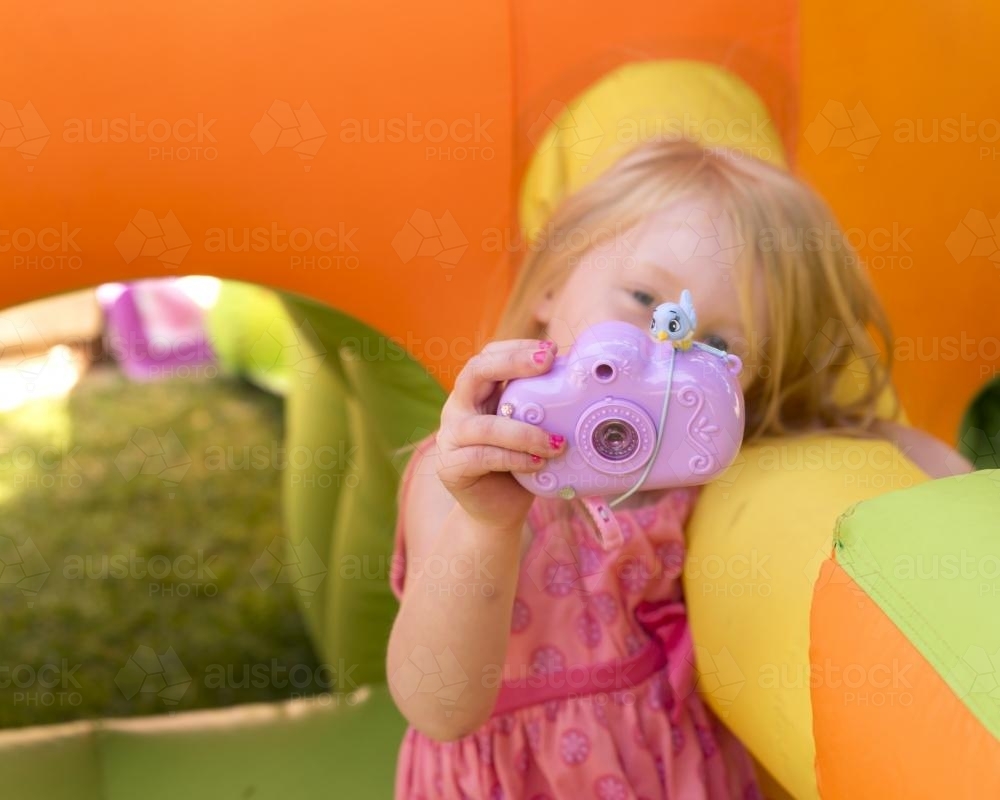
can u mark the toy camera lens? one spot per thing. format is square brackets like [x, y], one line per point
[615, 440]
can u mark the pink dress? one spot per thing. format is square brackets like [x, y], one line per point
[598, 698]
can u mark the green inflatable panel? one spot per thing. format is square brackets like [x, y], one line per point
[253, 336]
[929, 556]
[352, 421]
[344, 748]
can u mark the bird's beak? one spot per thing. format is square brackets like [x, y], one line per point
[661, 336]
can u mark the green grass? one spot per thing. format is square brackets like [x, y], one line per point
[67, 484]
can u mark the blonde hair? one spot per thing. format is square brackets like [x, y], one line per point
[821, 308]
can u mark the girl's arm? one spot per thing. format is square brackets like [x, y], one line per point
[455, 611]
[932, 455]
[463, 517]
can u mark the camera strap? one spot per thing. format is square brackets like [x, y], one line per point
[609, 533]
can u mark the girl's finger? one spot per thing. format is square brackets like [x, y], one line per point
[478, 379]
[504, 345]
[509, 434]
[464, 466]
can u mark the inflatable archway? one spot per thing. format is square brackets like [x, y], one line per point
[381, 160]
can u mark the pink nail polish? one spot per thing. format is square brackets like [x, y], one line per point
[555, 441]
[538, 356]
[536, 459]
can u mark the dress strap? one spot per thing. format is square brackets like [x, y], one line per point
[607, 531]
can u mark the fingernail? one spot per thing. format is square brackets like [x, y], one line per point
[538, 356]
[555, 441]
[546, 344]
[536, 459]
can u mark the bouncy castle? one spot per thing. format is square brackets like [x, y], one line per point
[383, 166]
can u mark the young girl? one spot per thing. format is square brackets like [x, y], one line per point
[530, 662]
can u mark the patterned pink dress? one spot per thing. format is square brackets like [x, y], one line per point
[598, 698]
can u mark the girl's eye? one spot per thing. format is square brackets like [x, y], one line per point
[643, 298]
[713, 340]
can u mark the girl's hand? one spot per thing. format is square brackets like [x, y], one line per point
[477, 450]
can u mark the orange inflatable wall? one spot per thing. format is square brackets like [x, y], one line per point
[364, 153]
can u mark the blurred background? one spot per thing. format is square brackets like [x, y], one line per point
[141, 455]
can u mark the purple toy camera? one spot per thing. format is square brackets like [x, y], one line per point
[637, 410]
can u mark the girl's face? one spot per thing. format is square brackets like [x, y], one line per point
[685, 246]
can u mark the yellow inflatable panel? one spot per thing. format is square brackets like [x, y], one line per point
[755, 545]
[636, 103]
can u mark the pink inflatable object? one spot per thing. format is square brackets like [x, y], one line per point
[155, 331]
